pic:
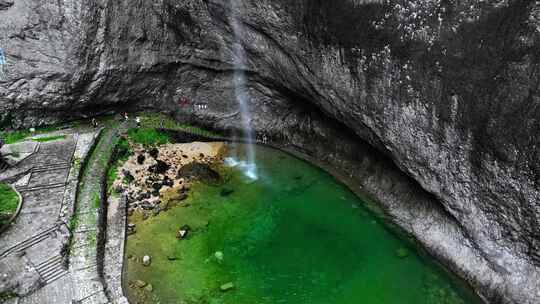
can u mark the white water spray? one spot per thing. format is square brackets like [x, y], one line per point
[240, 91]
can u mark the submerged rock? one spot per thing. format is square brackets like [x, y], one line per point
[227, 286]
[145, 216]
[402, 253]
[226, 191]
[171, 257]
[146, 260]
[140, 283]
[131, 229]
[199, 171]
[183, 232]
[149, 288]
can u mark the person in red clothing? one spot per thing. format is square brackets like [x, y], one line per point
[183, 101]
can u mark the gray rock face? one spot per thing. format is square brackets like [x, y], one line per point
[447, 93]
[5, 4]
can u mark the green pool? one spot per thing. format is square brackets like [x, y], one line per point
[295, 235]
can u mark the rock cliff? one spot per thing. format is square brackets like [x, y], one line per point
[440, 96]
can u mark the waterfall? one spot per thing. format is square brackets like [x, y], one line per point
[241, 93]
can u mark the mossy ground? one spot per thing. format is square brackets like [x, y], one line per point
[49, 138]
[9, 201]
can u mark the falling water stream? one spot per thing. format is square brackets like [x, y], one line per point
[247, 166]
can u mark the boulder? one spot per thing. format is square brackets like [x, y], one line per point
[140, 159]
[157, 186]
[154, 152]
[147, 260]
[172, 257]
[167, 182]
[140, 283]
[131, 229]
[183, 232]
[219, 256]
[227, 286]
[160, 167]
[402, 253]
[149, 288]
[146, 205]
[199, 171]
[226, 191]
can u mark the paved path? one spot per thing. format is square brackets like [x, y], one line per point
[34, 246]
[82, 283]
[31, 249]
[83, 259]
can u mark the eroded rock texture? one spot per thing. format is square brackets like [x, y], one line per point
[446, 90]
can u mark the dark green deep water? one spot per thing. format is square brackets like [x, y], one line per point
[296, 235]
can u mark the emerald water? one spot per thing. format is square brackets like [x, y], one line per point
[295, 235]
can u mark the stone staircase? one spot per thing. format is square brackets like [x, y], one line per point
[51, 167]
[22, 246]
[41, 187]
[52, 269]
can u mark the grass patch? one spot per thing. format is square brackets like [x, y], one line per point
[96, 201]
[122, 152]
[19, 135]
[112, 174]
[7, 295]
[73, 222]
[14, 137]
[165, 122]
[92, 240]
[49, 138]
[147, 136]
[9, 201]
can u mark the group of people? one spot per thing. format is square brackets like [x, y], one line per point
[137, 119]
[125, 116]
[263, 138]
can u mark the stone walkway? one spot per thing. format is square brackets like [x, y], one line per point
[32, 249]
[88, 285]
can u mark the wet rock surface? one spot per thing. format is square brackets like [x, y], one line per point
[451, 100]
[199, 171]
[150, 179]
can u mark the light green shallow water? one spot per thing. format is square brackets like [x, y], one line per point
[294, 236]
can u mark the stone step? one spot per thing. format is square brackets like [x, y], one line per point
[52, 269]
[97, 297]
[42, 187]
[54, 274]
[51, 167]
[49, 261]
[29, 242]
[50, 265]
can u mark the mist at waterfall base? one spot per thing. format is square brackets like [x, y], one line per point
[248, 166]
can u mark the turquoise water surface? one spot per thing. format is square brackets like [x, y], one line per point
[295, 235]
